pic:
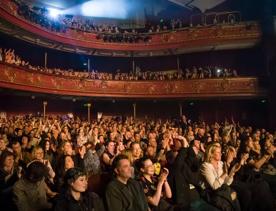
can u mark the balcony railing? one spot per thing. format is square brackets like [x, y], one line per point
[18, 78]
[185, 38]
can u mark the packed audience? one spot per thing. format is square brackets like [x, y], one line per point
[109, 33]
[64, 163]
[8, 56]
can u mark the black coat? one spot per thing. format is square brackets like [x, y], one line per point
[88, 202]
[186, 172]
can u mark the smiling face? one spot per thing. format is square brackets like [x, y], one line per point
[111, 147]
[39, 154]
[68, 162]
[9, 162]
[136, 150]
[148, 168]
[217, 154]
[80, 184]
[2, 144]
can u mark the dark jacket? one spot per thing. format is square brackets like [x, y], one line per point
[6, 186]
[186, 177]
[129, 197]
[88, 202]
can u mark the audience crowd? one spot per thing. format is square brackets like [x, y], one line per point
[105, 32]
[65, 163]
[8, 56]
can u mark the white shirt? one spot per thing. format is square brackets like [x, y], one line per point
[212, 176]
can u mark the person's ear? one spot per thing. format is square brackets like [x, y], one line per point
[116, 171]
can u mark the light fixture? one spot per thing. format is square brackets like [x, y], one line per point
[54, 13]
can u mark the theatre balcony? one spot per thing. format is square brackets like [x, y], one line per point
[20, 78]
[168, 42]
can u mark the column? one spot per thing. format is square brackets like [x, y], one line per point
[45, 103]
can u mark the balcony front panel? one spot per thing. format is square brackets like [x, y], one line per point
[19, 78]
[193, 37]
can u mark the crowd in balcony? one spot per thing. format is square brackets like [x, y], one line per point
[107, 33]
[8, 56]
[64, 163]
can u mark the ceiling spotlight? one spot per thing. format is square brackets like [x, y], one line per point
[54, 13]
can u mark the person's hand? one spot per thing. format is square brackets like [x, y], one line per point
[164, 174]
[202, 148]
[234, 169]
[165, 143]
[271, 150]
[225, 168]
[244, 158]
[82, 151]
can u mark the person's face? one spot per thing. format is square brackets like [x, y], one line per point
[231, 155]
[217, 154]
[124, 169]
[101, 139]
[16, 148]
[63, 137]
[152, 142]
[69, 163]
[136, 150]
[25, 141]
[47, 145]
[19, 133]
[201, 132]
[2, 144]
[176, 144]
[151, 151]
[250, 143]
[9, 162]
[39, 154]
[197, 144]
[111, 147]
[137, 137]
[80, 184]
[148, 167]
[68, 149]
[128, 135]
[96, 131]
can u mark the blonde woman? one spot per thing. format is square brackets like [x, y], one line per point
[217, 179]
[38, 155]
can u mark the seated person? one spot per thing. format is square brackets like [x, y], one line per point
[75, 197]
[124, 193]
[185, 179]
[31, 192]
[156, 189]
[9, 174]
[217, 180]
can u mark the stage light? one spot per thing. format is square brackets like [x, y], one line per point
[105, 8]
[218, 70]
[54, 13]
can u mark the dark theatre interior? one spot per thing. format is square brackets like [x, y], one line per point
[137, 105]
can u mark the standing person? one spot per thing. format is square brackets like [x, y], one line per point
[124, 193]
